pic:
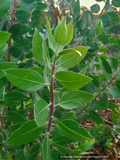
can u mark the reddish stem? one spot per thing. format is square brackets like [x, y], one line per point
[51, 95]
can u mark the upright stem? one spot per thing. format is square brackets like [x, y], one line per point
[9, 43]
[51, 95]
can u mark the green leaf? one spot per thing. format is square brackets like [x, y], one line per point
[115, 92]
[41, 111]
[114, 17]
[15, 31]
[95, 117]
[4, 6]
[61, 32]
[104, 38]
[105, 19]
[71, 57]
[28, 1]
[98, 27]
[14, 117]
[77, 8]
[75, 99]
[46, 149]
[106, 66]
[22, 158]
[66, 150]
[71, 80]
[4, 37]
[25, 134]
[112, 105]
[95, 80]
[37, 48]
[95, 8]
[15, 126]
[28, 80]
[70, 33]
[71, 130]
[114, 62]
[34, 151]
[4, 66]
[117, 83]
[22, 15]
[105, 99]
[99, 105]
[9, 156]
[21, 43]
[15, 96]
[41, 6]
[62, 140]
[16, 52]
[116, 3]
[69, 115]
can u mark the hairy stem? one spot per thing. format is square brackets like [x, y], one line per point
[51, 95]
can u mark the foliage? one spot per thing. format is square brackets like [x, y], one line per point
[50, 81]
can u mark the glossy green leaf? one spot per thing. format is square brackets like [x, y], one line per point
[105, 99]
[75, 99]
[62, 140]
[4, 37]
[112, 105]
[28, 80]
[22, 43]
[116, 3]
[98, 27]
[15, 126]
[95, 117]
[4, 66]
[15, 31]
[115, 92]
[70, 33]
[22, 158]
[69, 115]
[117, 83]
[15, 96]
[71, 57]
[4, 6]
[105, 19]
[37, 48]
[61, 32]
[34, 151]
[114, 17]
[22, 15]
[114, 62]
[95, 8]
[106, 66]
[25, 134]
[66, 150]
[71, 80]
[41, 111]
[46, 149]
[14, 117]
[95, 80]
[71, 130]
[99, 105]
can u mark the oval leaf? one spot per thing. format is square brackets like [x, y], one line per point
[37, 48]
[28, 80]
[46, 149]
[71, 130]
[41, 111]
[25, 134]
[75, 99]
[106, 66]
[71, 80]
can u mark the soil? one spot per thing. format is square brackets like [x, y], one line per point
[99, 152]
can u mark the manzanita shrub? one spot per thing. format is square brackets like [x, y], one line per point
[49, 84]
